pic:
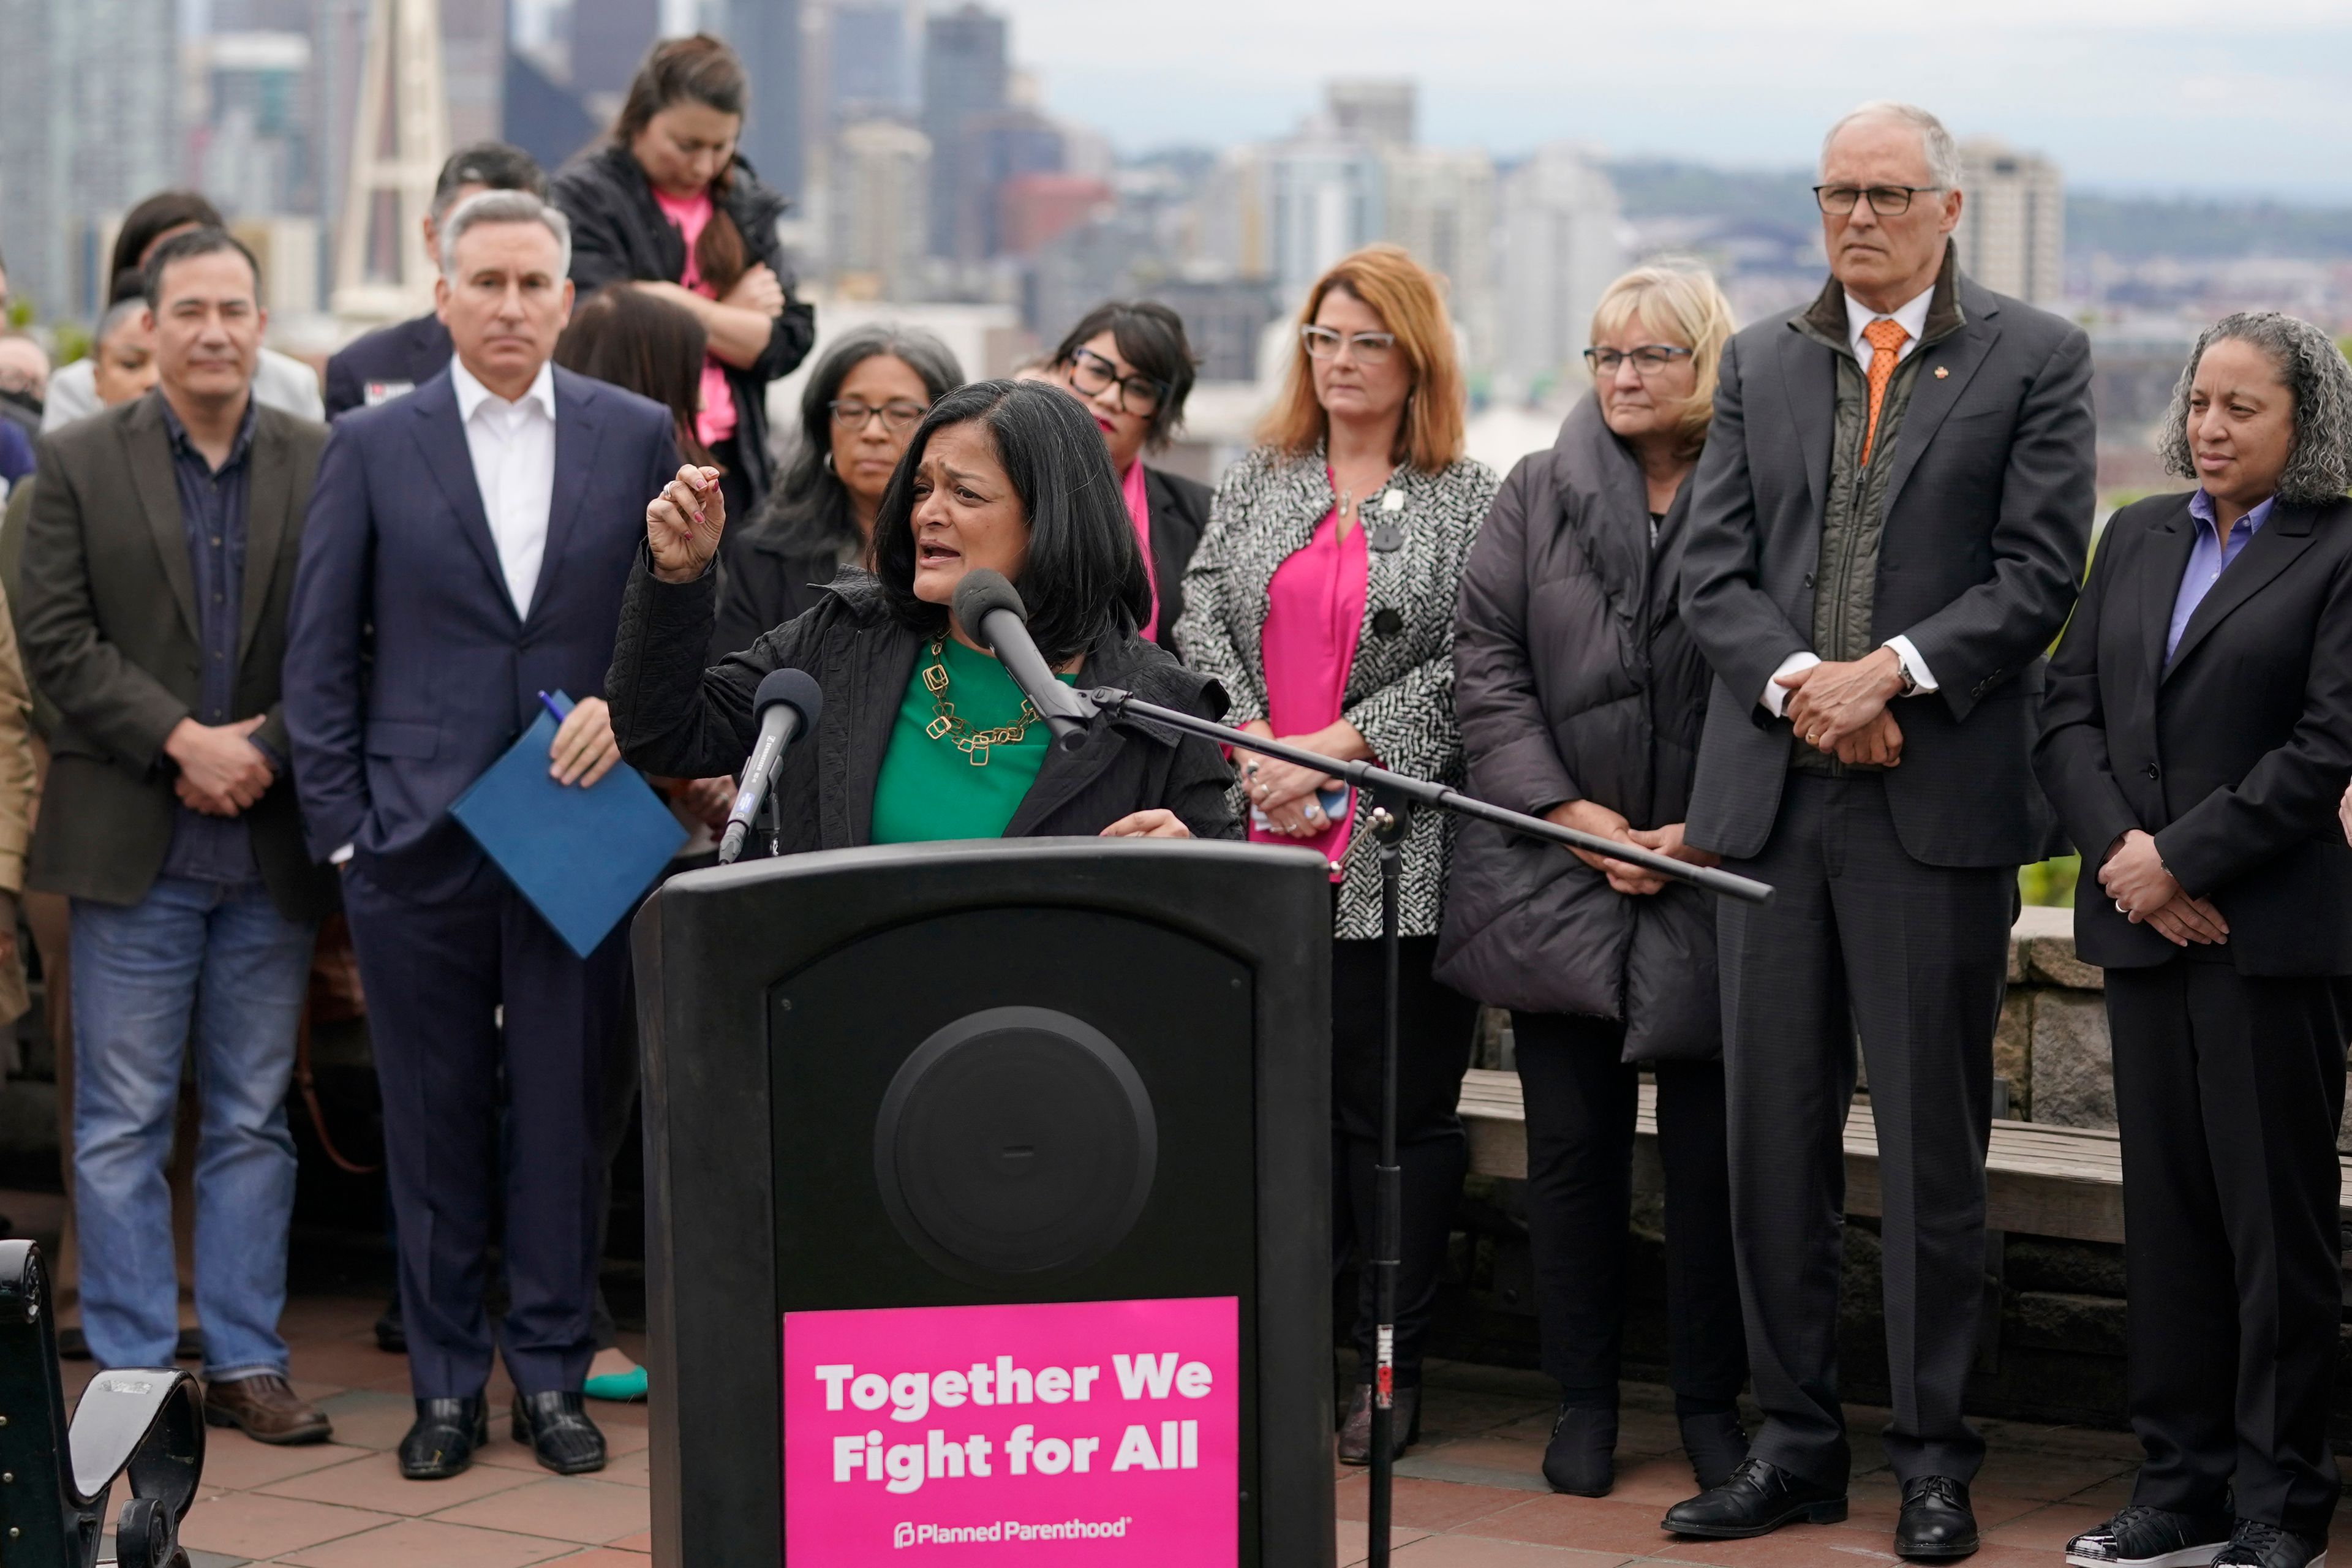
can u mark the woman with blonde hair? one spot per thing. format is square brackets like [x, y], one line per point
[1580, 695]
[1322, 598]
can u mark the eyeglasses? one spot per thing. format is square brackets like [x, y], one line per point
[1886, 200]
[1648, 360]
[1094, 376]
[1370, 348]
[899, 415]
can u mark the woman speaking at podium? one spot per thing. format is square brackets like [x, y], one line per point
[923, 735]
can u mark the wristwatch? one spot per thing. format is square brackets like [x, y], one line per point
[1902, 673]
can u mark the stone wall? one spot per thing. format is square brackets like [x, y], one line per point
[2051, 1046]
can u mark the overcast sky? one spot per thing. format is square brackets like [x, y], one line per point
[2203, 96]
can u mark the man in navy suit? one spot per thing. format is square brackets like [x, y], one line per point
[474, 538]
[392, 361]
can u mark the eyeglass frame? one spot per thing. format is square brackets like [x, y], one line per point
[1671, 352]
[1156, 390]
[873, 410]
[1870, 194]
[1381, 344]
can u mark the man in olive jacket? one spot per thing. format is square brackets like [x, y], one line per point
[1886, 530]
[156, 571]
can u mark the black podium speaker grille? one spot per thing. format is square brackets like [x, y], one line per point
[1017, 1141]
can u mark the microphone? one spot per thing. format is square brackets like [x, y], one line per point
[988, 608]
[787, 704]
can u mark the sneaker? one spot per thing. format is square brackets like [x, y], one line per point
[2257, 1544]
[2151, 1538]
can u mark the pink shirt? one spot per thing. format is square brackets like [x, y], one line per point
[1138, 512]
[1314, 613]
[715, 420]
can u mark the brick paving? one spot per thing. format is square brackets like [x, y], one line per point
[1469, 1496]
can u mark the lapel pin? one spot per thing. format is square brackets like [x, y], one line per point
[1941, 371]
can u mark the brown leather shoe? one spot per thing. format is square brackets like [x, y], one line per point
[265, 1409]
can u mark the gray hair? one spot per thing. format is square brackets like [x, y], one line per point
[2319, 469]
[505, 207]
[1943, 154]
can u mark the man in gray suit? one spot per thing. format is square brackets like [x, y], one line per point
[1886, 531]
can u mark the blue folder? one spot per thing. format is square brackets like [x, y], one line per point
[582, 857]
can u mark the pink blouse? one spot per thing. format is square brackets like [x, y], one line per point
[1314, 611]
[1138, 512]
[715, 420]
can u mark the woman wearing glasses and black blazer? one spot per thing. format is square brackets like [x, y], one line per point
[1129, 363]
[860, 408]
[2197, 738]
[1322, 599]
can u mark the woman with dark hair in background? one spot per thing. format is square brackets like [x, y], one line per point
[935, 740]
[668, 205]
[858, 411]
[643, 343]
[279, 381]
[1130, 365]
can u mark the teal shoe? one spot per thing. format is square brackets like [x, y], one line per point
[619, 1388]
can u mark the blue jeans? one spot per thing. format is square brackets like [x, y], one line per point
[215, 963]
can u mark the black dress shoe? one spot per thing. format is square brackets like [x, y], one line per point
[1716, 1443]
[1404, 1425]
[1759, 1498]
[2255, 1544]
[1581, 1458]
[2151, 1538]
[557, 1428]
[1937, 1521]
[442, 1442]
[391, 1331]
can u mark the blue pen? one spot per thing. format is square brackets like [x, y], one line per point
[548, 702]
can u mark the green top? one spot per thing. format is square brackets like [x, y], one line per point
[931, 785]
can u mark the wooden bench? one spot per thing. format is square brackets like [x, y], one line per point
[2040, 1180]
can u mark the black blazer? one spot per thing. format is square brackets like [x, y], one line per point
[1178, 509]
[108, 618]
[1988, 515]
[405, 355]
[676, 718]
[2234, 754]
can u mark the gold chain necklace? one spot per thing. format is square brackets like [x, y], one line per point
[944, 725]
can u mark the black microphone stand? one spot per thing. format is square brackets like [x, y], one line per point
[1390, 800]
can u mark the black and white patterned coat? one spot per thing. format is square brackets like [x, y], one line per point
[1399, 692]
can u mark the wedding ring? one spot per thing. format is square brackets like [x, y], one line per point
[2119, 908]
[1250, 767]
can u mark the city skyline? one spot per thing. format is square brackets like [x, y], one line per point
[2096, 85]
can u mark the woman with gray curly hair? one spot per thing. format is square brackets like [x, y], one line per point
[2197, 738]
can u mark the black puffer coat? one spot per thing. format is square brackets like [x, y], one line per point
[1575, 679]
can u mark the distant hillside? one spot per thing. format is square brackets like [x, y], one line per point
[2127, 228]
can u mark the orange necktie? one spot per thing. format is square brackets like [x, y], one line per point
[1885, 337]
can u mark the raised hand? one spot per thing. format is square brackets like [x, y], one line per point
[683, 524]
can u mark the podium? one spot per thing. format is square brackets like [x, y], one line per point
[989, 1206]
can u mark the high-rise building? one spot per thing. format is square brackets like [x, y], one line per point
[473, 67]
[1441, 207]
[869, 59]
[1562, 247]
[90, 125]
[767, 34]
[1376, 111]
[964, 81]
[2012, 233]
[1324, 197]
[609, 40]
[255, 154]
[881, 193]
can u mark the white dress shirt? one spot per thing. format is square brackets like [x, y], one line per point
[513, 448]
[1912, 317]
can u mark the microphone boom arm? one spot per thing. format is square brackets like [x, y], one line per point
[1380, 784]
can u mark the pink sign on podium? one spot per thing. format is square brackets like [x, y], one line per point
[1072, 1432]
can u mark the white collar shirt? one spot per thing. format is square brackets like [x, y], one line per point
[513, 448]
[1911, 316]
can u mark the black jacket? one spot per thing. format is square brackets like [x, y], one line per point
[1574, 679]
[619, 235]
[396, 358]
[1987, 513]
[677, 719]
[2234, 754]
[1179, 510]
